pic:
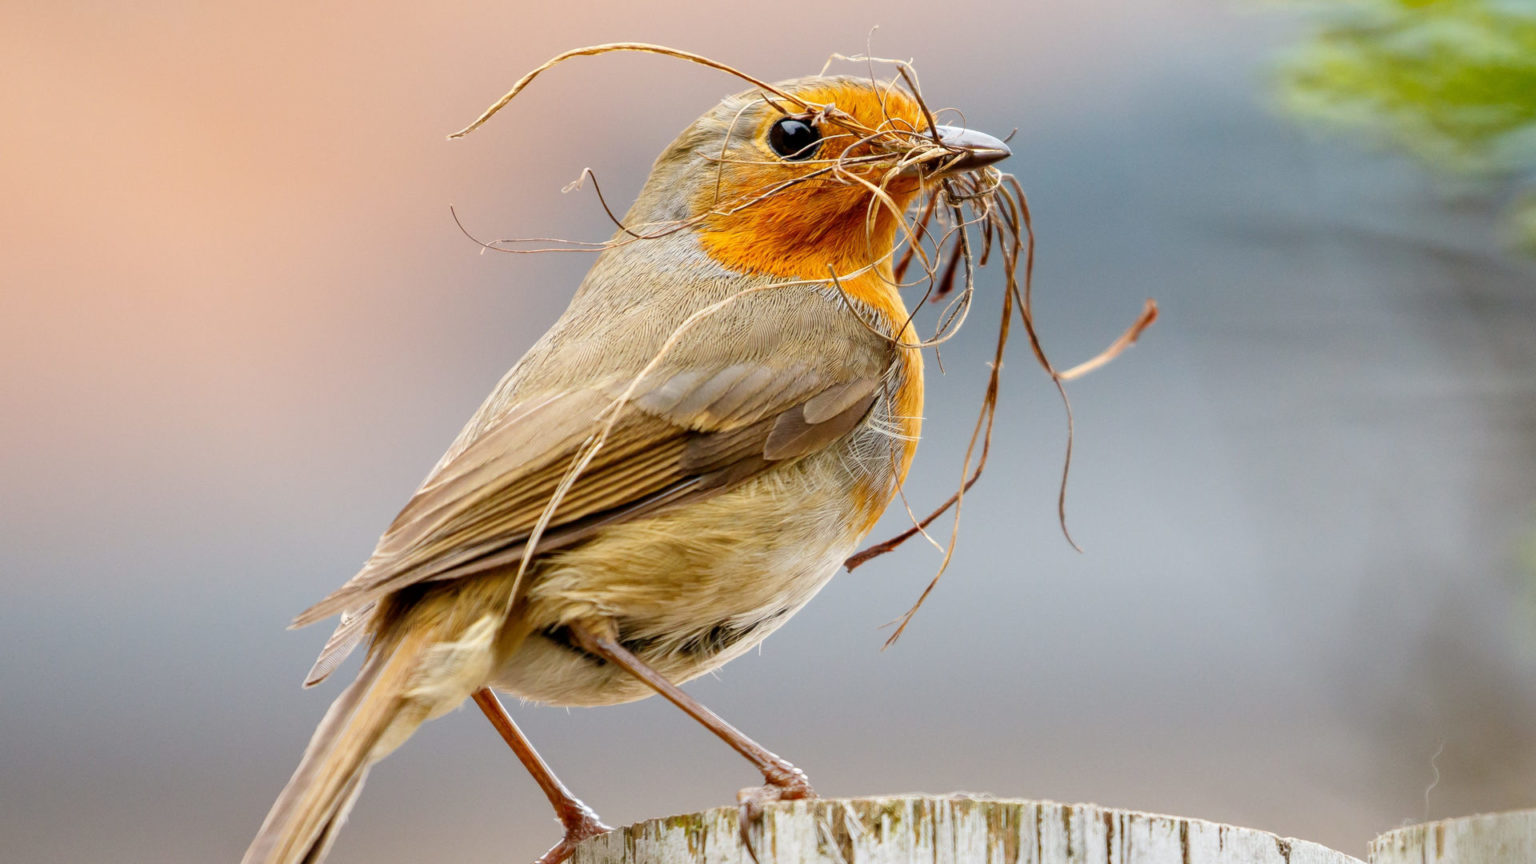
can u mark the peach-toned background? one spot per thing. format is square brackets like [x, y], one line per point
[237, 324]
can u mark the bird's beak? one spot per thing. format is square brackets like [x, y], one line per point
[969, 150]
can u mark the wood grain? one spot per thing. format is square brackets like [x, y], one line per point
[1493, 838]
[950, 829]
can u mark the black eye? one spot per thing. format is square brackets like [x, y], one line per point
[794, 139]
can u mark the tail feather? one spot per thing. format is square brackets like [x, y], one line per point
[322, 844]
[376, 709]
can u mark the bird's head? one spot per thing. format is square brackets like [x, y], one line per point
[815, 176]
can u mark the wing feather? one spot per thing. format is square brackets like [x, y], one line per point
[682, 436]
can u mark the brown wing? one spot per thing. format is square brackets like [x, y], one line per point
[683, 434]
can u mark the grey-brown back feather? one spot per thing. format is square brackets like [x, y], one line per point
[348, 634]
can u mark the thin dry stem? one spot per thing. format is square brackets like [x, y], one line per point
[609, 48]
[1116, 348]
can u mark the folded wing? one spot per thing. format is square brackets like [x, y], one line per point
[679, 435]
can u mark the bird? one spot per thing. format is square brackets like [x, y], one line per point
[730, 401]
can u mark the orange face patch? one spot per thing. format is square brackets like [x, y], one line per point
[796, 217]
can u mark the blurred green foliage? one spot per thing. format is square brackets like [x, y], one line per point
[1452, 82]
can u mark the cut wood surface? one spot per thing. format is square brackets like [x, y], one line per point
[1493, 838]
[948, 829]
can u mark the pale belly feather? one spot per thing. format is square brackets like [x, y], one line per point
[693, 588]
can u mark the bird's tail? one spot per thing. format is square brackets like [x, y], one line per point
[404, 683]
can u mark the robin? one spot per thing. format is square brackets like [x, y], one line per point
[729, 403]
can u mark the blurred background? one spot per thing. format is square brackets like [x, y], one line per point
[238, 324]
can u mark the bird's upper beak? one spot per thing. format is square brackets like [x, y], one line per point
[969, 150]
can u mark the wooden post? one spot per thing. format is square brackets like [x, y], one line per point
[1495, 838]
[948, 829]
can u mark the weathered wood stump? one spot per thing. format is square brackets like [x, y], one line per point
[949, 829]
[1493, 838]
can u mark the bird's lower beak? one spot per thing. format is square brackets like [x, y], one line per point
[969, 150]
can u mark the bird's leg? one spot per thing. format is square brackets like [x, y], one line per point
[579, 820]
[784, 781]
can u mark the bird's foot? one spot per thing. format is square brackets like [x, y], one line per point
[580, 823]
[785, 783]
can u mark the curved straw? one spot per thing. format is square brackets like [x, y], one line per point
[608, 48]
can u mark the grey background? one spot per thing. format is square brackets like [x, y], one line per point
[238, 325]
